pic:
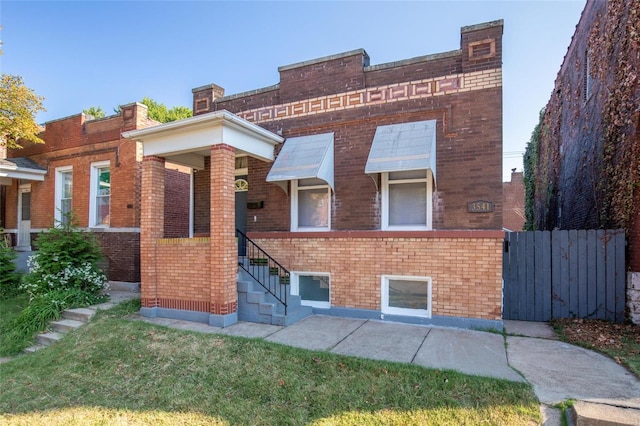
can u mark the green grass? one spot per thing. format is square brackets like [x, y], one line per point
[119, 371]
[11, 342]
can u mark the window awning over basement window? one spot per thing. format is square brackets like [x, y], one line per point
[401, 147]
[302, 158]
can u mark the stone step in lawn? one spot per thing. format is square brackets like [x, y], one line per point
[64, 325]
[49, 338]
[79, 314]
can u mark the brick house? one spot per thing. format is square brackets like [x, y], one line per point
[86, 166]
[513, 212]
[589, 151]
[376, 189]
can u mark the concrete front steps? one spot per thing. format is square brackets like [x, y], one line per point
[70, 320]
[585, 413]
[255, 304]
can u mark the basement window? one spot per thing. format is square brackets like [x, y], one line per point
[406, 295]
[314, 288]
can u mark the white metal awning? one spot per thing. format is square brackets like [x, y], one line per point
[401, 147]
[302, 158]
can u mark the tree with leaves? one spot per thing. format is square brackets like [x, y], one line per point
[161, 113]
[18, 108]
[95, 112]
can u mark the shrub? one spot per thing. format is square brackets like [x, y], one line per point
[9, 277]
[67, 259]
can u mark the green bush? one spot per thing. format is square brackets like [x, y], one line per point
[67, 259]
[9, 277]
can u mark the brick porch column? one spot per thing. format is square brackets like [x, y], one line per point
[224, 253]
[151, 228]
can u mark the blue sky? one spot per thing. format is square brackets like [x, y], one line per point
[79, 54]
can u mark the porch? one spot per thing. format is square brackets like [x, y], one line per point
[196, 277]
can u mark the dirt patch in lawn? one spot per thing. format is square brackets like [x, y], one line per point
[620, 341]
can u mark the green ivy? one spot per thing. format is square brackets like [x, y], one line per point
[531, 156]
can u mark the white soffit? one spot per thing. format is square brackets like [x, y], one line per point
[197, 134]
[304, 157]
[401, 147]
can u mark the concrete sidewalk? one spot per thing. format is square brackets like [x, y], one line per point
[467, 351]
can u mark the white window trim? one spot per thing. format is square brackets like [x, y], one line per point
[392, 310]
[59, 190]
[295, 289]
[294, 208]
[93, 193]
[385, 203]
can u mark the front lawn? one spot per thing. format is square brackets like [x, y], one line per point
[12, 343]
[119, 371]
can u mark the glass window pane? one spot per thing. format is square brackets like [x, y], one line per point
[408, 204]
[408, 294]
[67, 184]
[104, 181]
[102, 210]
[26, 206]
[313, 208]
[314, 288]
[409, 174]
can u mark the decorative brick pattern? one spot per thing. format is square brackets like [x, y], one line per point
[417, 89]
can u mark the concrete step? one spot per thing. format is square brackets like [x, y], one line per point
[47, 339]
[64, 325]
[34, 348]
[79, 314]
[292, 316]
[591, 414]
[267, 308]
[255, 296]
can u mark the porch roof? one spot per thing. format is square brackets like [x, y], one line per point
[402, 147]
[188, 142]
[20, 168]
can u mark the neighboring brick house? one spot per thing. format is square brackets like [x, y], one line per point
[86, 166]
[513, 193]
[385, 200]
[588, 157]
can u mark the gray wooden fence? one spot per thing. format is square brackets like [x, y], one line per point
[564, 274]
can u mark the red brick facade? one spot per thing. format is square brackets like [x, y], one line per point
[344, 95]
[513, 193]
[76, 142]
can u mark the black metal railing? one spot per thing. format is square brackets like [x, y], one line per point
[270, 274]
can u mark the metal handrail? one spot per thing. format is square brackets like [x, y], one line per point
[270, 274]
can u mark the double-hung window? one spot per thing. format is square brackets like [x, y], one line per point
[63, 195]
[100, 193]
[406, 200]
[307, 163]
[404, 155]
[310, 206]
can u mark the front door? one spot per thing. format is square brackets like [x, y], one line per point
[24, 218]
[241, 210]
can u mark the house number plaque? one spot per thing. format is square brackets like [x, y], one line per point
[480, 206]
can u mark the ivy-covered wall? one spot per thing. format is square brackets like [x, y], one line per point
[582, 164]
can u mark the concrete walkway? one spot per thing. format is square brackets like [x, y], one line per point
[470, 352]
